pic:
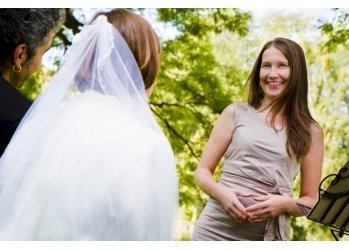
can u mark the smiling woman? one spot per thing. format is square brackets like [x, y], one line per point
[274, 73]
[253, 197]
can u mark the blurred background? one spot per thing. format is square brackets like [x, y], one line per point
[207, 55]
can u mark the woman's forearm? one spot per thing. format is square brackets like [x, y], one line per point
[206, 182]
[294, 210]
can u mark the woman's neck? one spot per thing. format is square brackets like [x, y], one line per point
[265, 110]
[9, 77]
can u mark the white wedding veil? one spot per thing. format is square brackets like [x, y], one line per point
[92, 117]
[99, 60]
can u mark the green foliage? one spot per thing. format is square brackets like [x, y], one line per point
[204, 69]
[328, 97]
[337, 31]
[34, 84]
[192, 91]
[200, 22]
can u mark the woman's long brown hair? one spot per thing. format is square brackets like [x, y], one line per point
[292, 102]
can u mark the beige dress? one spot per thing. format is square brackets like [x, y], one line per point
[255, 161]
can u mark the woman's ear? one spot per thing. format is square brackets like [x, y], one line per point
[20, 55]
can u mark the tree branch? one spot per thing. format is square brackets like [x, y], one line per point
[197, 114]
[168, 125]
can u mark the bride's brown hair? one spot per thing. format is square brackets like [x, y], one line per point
[141, 39]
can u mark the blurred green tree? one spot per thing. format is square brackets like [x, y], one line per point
[204, 69]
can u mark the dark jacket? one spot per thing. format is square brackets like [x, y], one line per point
[13, 106]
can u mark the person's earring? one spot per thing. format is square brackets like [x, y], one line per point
[16, 68]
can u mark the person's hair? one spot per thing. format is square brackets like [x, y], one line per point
[26, 26]
[141, 38]
[293, 101]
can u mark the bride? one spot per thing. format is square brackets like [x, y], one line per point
[89, 161]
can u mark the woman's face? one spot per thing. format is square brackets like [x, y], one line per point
[33, 64]
[274, 73]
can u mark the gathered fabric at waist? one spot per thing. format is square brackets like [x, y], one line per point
[254, 185]
[277, 228]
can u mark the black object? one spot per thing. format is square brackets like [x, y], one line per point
[332, 207]
[13, 106]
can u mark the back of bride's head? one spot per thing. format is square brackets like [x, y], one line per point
[141, 38]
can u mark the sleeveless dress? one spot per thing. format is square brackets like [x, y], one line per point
[256, 161]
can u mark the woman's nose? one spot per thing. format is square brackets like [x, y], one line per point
[273, 72]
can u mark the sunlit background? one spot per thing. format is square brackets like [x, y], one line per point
[207, 55]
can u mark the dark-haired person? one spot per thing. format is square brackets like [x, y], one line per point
[25, 36]
[266, 141]
[89, 161]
